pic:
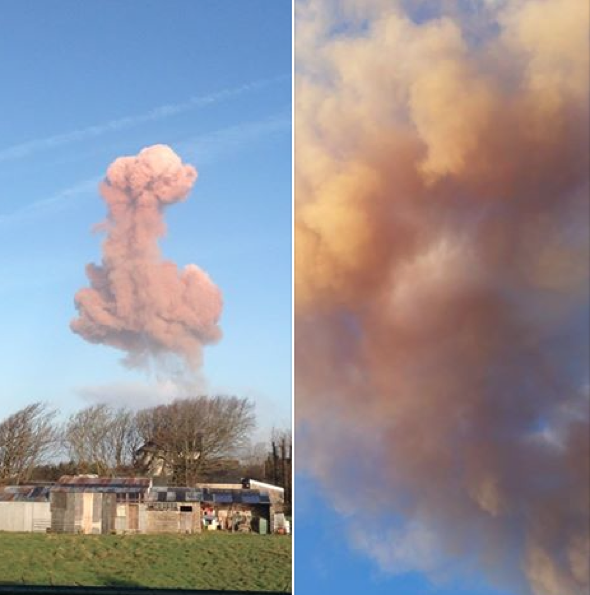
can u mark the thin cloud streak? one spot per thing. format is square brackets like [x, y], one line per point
[209, 147]
[25, 149]
[216, 145]
[58, 201]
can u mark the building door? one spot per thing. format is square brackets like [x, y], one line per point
[133, 518]
[186, 519]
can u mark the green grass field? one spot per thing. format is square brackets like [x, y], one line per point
[207, 561]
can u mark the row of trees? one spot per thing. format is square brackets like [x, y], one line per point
[188, 440]
[27, 438]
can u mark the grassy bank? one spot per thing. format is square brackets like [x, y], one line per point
[207, 561]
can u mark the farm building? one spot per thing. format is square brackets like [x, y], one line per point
[25, 509]
[190, 510]
[90, 504]
[96, 505]
[173, 510]
[257, 500]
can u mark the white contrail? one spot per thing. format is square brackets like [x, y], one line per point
[213, 146]
[164, 111]
[51, 204]
[208, 147]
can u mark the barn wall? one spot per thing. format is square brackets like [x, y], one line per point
[163, 521]
[143, 519]
[125, 518]
[96, 504]
[71, 513]
[41, 517]
[190, 522]
[109, 513]
[75, 511]
[172, 520]
[25, 517]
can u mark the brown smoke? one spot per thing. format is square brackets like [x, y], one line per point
[138, 302]
[441, 282]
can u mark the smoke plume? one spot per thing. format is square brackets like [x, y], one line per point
[441, 279]
[138, 302]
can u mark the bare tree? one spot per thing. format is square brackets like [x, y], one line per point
[125, 437]
[253, 460]
[194, 436]
[28, 438]
[101, 438]
[279, 464]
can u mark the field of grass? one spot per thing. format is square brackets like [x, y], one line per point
[207, 561]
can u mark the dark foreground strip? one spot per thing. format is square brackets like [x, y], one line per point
[120, 591]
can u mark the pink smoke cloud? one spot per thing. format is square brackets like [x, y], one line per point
[137, 301]
[441, 283]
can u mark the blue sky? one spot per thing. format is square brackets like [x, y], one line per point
[326, 562]
[84, 83]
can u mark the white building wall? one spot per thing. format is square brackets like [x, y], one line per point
[25, 517]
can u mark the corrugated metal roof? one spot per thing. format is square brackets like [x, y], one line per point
[134, 485]
[209, 495]
[24, 493]
[107, 485]
[102, 481]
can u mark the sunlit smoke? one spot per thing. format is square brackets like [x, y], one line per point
[441, 279]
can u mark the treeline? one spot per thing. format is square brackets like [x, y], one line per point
[186, 441]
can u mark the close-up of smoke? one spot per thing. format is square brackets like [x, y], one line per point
[441, 283]
[137, 301]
